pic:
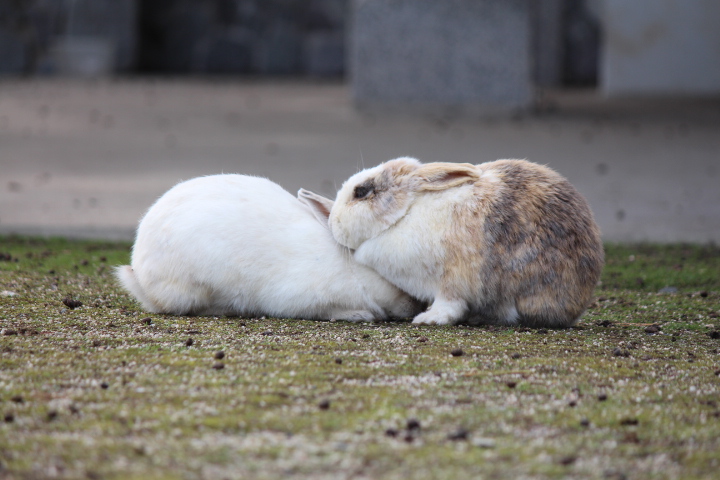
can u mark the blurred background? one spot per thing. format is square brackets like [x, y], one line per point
[105, 104]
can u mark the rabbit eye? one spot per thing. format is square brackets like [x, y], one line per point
[363, 190]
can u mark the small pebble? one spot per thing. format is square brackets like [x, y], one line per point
[457, 352]
[459, 434]
[219, 355]
[391, 432]
[71, 304]
[652, 329]
[413, 424]
[619, 352]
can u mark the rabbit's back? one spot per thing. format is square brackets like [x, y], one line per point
[233, 244]
[541, 244]
[210, 224]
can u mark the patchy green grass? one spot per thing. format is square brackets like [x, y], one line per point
[106, 391]
[649, 268]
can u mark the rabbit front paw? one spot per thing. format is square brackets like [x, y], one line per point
[442, 312]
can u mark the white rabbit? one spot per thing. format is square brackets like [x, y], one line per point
[241, 245]
[508, 242]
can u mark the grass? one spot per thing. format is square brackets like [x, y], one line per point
[106, 391]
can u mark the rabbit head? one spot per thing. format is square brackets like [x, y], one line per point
[373, 200]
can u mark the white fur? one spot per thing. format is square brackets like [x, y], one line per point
[442, 312]
[240, 245]
[414, 246]
[364, 225]
[416, 249]
[410, 253]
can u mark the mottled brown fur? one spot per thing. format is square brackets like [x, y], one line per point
[530, 237]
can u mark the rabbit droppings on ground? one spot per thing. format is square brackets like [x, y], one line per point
[506, 242]
[242, 245]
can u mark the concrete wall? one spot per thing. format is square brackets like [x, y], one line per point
[661, 47]
[469, 54]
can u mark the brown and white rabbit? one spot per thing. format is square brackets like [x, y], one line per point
[241, 245]
[506, 242]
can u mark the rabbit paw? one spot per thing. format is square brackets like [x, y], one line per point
[430, 318]
[442, 312]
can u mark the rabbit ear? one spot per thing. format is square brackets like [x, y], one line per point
[441, 176]
[319, 205]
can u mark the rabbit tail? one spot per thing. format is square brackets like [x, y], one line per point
[126, 276]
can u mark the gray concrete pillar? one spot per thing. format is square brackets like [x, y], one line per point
[428, 54]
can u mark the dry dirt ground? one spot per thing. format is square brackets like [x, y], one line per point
[92, 387]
